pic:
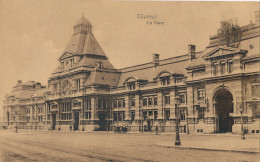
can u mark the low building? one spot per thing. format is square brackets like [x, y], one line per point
[210, 91]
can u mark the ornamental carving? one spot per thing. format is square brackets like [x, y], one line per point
[66, 87]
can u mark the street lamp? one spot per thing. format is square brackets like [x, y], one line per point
[242, 129]
[177, 136]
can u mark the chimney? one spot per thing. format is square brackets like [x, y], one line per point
[19, 83]
[191, 51]
[257, 17]
[155, 59]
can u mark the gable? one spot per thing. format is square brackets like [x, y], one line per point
[65, 55]
[223, 51]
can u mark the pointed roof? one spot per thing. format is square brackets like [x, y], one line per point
[83, 41]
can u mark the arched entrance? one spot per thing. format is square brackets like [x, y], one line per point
[223, 106]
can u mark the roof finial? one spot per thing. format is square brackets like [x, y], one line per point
[82, 14]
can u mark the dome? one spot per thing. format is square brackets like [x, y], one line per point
[82, 21]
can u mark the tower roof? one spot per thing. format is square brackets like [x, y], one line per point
[83, 42]
[82, 21]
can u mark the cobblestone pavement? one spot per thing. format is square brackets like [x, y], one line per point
[104, 146]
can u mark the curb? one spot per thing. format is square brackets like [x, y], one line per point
[208, 149]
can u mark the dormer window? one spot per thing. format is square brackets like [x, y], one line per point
[222, 67]
[78, 83]
[131, 85]
[62, 65]
[100, 65]
[72, 62]
[165, 80]
[215, 68]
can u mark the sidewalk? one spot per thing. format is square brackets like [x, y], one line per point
[230, 143]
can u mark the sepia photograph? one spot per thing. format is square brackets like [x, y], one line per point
[122, 80]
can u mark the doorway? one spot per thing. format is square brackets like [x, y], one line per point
[76, 121]
[53, 121]
[149, 125]
[223, 107]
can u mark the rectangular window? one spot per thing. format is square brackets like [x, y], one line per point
[222, 67]
[256, 110]
[78, 83]
[66, 116]
[115, 103]
[144, 114]
[215, 68]
[123, 101]
[155, 114]
[87, 104]
[201, 113]
[120, 103]
[167, 99]
[168, 81]
[132, 115]
[182, 98]
[167, 114]
[230, 66]
[150, 101]
[133, 101]
[115, 117]
[201, 95]
[155, 100]
[88, 115]
[150, 114]
[120, 117]
[256, 89]
[145, 101]
[48, 108]
[182, 114]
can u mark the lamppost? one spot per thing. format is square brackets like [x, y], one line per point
[242, 129]
[177, 136]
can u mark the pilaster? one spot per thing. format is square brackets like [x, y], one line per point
[160, 105]
[137, 105]
[172, 104]
[127, 104]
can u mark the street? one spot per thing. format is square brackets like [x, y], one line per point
[104, 146]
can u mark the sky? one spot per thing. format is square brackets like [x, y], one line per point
[35, 33]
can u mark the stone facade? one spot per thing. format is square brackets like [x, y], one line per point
[211, 91]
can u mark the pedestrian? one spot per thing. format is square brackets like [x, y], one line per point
[156, 129]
